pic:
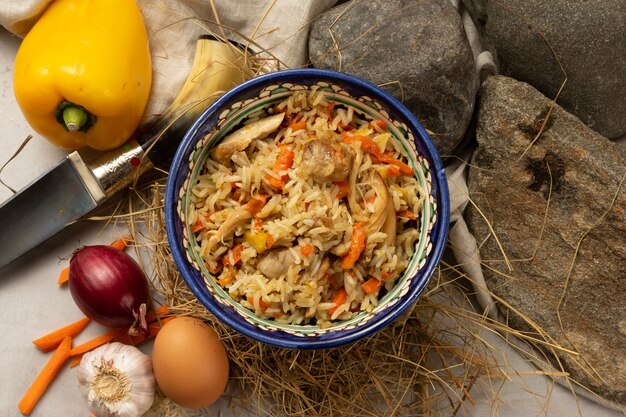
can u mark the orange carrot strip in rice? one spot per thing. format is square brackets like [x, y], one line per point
[379, 123]
[98, 341]
[357, 244]
[306, 250]
[52, 340]
[227, 279]
[339, 298]
[331, 279]
[404, 168]
[371, 286]
[262, 304]
[269, 240]
[372, 148]
[298, 125]
[344, 188]
[197, 226]
[45, 377]
[236, 251]
[366, 143]
[385, 276]
[407, 214]
[256, 203]
[390, 171]
[329, 109]
[283, 162]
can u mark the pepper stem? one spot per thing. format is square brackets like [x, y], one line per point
[74, 118]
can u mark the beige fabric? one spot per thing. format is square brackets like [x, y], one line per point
[279, 26]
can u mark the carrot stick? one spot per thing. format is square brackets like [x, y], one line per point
[339, 298]
[154, 328]
[51, 340]
[357, 244]
[157, 312]
[45, 377]
[121, 244]
[98, 341]
[64, 275]
[75, 360]
[372, 148]
[371, 286]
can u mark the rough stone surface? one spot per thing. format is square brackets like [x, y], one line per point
[589, 38]
[416, 50]
[581, 173]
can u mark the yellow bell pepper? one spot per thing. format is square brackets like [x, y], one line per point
[83, 74]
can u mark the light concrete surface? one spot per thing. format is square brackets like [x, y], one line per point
[31, 304]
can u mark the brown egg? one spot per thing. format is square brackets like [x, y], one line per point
[190, 363]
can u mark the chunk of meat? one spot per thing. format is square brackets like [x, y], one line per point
[236, 217]
[240, 139]
[276, 263]
[324, 161]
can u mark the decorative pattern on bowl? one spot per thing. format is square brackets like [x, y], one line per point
[219, 120]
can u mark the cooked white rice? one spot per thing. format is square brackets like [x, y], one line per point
[286, 259]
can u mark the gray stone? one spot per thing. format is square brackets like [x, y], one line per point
[582, 175]
[587, 36]
[416, 50]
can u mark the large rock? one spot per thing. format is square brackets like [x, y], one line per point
[578, 177]
[416, 50]
[589, 39]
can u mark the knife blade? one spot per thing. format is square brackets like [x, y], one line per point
[74, 188]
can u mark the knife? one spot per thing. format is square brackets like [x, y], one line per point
[73, 188]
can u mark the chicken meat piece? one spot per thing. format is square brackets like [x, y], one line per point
[324, 161]
[240, 139]
[276, 263]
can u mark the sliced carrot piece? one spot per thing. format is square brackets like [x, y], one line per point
[298, 125]
[52, 340]
[339, 298]
[371, 286]
[407, 214]
[379, 123]
[306, 250]
[236, 251]
[344, 188]
[45, 377]
[64, 276]
[357, 244]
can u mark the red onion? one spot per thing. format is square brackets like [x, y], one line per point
[109, 287]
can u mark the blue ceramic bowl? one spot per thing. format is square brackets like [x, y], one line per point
[367, 100]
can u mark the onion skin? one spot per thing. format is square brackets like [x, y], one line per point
[109, 287]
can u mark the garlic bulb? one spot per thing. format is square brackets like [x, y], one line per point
[117, 381]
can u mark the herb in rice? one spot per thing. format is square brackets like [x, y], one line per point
[308, 213]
